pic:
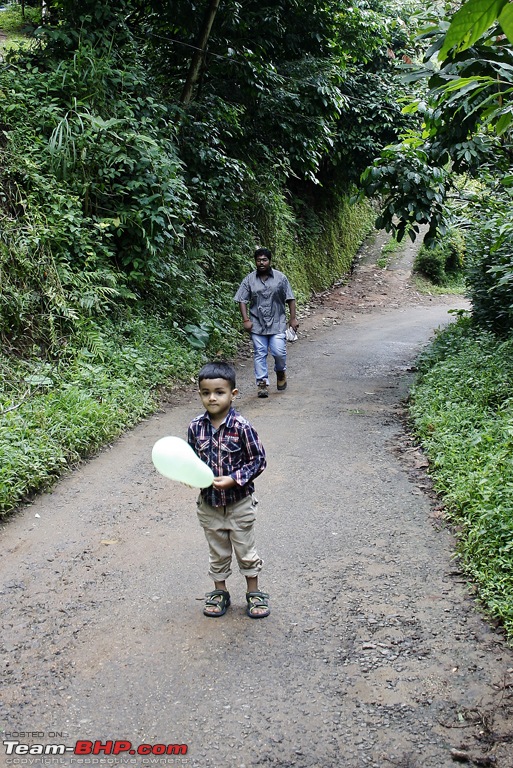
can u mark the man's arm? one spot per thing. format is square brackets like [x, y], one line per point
[248, 325]
[243, 296]
[293, 321]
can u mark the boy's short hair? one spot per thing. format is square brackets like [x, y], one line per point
[263, 252]
[218, 370]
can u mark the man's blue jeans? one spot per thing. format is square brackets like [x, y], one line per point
[262, 345]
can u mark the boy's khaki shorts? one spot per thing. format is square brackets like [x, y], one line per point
[230, 529]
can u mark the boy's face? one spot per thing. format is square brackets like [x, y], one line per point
[217, 396]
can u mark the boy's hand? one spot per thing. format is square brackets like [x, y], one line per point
[225, 481]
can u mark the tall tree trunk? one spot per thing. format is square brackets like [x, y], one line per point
[199, 54]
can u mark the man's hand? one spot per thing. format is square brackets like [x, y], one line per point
[294, 324]
[248, 325]
[225, 481]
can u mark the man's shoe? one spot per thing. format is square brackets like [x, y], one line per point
[281, 382]
[262, 389]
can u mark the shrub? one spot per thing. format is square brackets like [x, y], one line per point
[54, 413]
[490, 260]
[442, 261]
[462, 406]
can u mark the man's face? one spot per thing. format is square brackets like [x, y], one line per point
[263, 264]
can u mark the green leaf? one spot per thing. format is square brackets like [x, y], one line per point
[39, 380]
[469, 23]
[503, 123]
[197, 337]
[506, 21]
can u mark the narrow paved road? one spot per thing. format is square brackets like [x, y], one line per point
[375, 654]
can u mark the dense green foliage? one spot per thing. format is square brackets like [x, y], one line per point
[117, 194]
[54, 413]
[466, 118]
[462, 406]
[489, 241]
[123, 206]
[443, 262]
[14, 23]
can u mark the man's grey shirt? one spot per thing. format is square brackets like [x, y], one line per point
[266, 299]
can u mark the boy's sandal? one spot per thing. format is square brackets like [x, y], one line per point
[257, 601]
[219, 599]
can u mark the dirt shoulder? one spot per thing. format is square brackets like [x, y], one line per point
[371, 288]
[375, 653]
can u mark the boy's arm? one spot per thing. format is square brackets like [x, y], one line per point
[255, 460]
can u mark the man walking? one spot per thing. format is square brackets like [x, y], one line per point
[262, 297]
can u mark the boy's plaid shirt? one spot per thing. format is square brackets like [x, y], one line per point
[234, 449]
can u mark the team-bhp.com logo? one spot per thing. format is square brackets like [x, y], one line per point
[83, 747]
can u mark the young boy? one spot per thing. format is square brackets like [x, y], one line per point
[227, 442]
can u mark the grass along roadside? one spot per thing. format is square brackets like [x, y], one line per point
[388, 251]
[462, 410]
[14, 27]
[53, 414]
[452, 287]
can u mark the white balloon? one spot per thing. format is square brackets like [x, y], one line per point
[175, 459]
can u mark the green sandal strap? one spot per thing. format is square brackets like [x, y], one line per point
[257, 600]
[218, 598]
[254, 596]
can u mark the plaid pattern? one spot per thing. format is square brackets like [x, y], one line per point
[234, 449]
